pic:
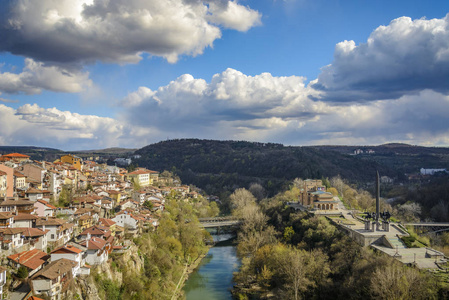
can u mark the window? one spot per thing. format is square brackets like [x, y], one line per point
[52, 236]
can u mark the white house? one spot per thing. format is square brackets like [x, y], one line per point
[126, 220]
[97, 250]
[60, 232]
[72, 253]
[36, 237]
[6, 219]
[24, 220]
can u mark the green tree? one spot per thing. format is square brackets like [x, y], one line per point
[148, 204]
[22, 272]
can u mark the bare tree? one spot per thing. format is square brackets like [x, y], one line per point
[240, 199]
[257, 190]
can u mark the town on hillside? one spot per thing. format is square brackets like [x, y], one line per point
[60, 218]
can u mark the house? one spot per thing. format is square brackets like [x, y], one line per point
[24, 220]
[72, 253]
[73, 160]
[34, 173]
[97, 250]
[33, 260]
[129, 204]
[85, 221]
[35, 237]
[54, 279]
[16, 204]
[44, 209]
[16, 157]
[11, 238]
[140, 177]
[60, 232]
[96, 231]
[126, 220]
[19, 181]
[110, 224]
[35, 194]
[9, 180]
[6, 219]
[3, 183]
[2, 280]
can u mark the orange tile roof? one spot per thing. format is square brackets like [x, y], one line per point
[31, 259]
[68, 248]
[46, 204]
[16, 155]
[95, 243]
[106, 222]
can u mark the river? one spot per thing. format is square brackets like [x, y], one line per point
[213, 277]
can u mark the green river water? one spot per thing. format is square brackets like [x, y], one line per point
[212, 280]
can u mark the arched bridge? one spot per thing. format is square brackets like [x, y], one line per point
[219, 222]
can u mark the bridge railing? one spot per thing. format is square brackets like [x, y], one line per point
[218, 219]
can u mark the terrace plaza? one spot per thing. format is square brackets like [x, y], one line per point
[388, 242]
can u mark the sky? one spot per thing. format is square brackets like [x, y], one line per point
[93, 74]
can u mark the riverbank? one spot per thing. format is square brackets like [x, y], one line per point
[188, 270]
[213, 279]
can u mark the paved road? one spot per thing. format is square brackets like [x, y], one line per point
[20, 293]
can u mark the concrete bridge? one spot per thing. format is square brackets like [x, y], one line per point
[430, 227]
[220, 222]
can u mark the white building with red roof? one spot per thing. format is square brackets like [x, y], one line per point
[72, 253]
[97, 250]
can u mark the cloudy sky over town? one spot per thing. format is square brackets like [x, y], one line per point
[91, 74]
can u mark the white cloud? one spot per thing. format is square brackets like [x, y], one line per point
[231, 95]
[234, 106]
[120, 31]
[405, 57]
[34, 125]
[35, 77]
[233, 16]
[280, 109]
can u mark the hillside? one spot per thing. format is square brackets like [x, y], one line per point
[402, 157]
[214, 165]
[36, 153]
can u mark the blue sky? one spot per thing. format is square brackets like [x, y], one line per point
[89, 74]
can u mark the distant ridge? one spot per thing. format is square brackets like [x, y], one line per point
[113, 150]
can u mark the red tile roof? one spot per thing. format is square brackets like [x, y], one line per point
[16, 155]
[67, 249]
[95, 243]
[46, 204]
[31, 259]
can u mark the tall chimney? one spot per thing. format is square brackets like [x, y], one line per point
[377, 197]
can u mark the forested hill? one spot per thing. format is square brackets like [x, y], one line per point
[36, 153]
[214, 165]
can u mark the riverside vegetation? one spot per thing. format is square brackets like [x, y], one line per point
[157, 263]
[290, 255]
